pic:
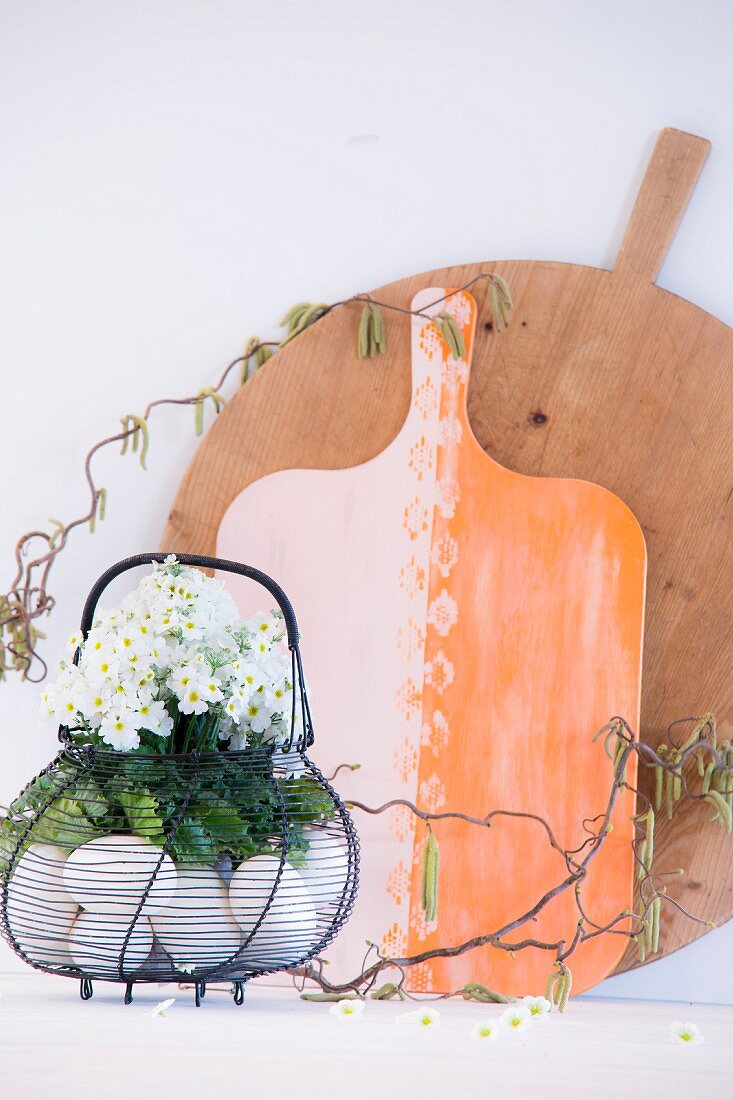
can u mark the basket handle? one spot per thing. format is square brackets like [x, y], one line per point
[256, 575]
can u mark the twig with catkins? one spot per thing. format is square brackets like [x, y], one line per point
[28, 600]
[643, 927]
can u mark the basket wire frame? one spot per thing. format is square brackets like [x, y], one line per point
[220, 871]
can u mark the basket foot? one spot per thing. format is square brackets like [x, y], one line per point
[86, 989]
[128, 993]
[238, 993]
[200, 993]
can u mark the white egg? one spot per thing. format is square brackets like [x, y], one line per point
[112, 873]
[40, 912]
[196, 927]
[326, 868]
[98, 938]
[289, 929]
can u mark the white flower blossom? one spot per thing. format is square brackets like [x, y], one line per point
[162, 1007]
[486, 1029]
[424, 1017]
[687, 1035]
[539, 1007]
[516, 1018]
[347, 1009]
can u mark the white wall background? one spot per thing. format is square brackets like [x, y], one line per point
[176, 174]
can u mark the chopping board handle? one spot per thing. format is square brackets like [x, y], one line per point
[674, 169]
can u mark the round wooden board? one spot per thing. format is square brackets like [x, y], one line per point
[601, 376]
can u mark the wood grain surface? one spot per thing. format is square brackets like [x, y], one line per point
[601, 376]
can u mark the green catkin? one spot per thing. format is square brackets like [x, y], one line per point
[707, 778]
[497, 315]
[700, 765]
[380, 334]
[649, 838]
[475, 991]
[619, 765]
[362, 336]
[329, 997]
[659, 774]
[641, 872]
[300, 317]
[669, 792]
[674, 759]
[252, 350]
[137, 436]
[609, 744]
[431, 869]
[292, 317]
[386, 992]
[641, 942]
[723, 810]
[558, 986]
[262, 355]
[567, 985]
[142, 425]
[504, 301]
[656, 915]
[451, 333]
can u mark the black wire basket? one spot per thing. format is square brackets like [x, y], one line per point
[191, 868]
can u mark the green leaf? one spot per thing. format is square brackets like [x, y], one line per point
[191, 844]
[64, 823]
[141, 811]
[222, 824]
[89, 796]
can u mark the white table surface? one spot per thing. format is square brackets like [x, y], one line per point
[54, 1045]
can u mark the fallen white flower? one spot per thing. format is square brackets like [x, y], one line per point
[424, 1017]
[516, 1018]
[539, 1007]
[487, 1029]
[687, 1035]
[347, 1010]
[161, 1008]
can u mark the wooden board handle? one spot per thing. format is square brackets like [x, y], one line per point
[674, 169]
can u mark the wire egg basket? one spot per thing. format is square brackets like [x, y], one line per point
[193, 867]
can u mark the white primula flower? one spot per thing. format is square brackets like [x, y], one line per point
[487, 1029]
[257, 717]
[238, 740]
[424, 1017]
[194, 699]
[347, 1009]
[516, 1018]
[154, 717]
[687, 1035]
[279, 697]
[103, 664]
[74, 641]
[539, 1007]
[47, 704]
[233, 707]
[120, 730]
[212, 691]
[252, 677]
[264, 625]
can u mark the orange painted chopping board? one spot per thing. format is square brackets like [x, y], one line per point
[466, 631]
